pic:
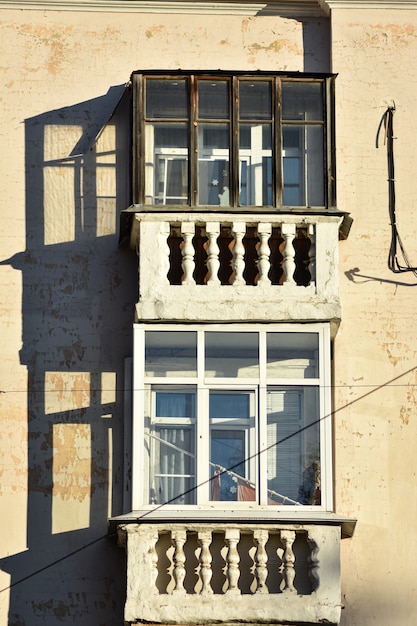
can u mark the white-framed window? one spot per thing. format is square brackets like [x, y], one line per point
[232, 416]
[233, 139]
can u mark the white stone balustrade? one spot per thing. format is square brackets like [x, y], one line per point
[208, 565]
[288, 233]
[264, 233]
[187, 231]
[213, 251]
[200, 295]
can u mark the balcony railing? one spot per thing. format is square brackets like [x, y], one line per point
[252, 267]
[193, 573]
[216, 253]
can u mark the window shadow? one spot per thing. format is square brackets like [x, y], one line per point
[317, 45]
[78, 296]
[316, 38]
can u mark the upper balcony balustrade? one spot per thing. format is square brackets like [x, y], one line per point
[237, 268]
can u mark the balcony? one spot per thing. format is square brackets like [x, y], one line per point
[247, 268]
[206, 573]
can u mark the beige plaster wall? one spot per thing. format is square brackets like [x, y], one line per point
[67, 291]
[375, 351]
[67, 294]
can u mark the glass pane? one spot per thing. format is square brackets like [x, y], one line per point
[255, 156]
[302, 101]
[213, 99]
[213, 164]
[229, 355]
[231, 445]
[169, 136]
[175, 404]
[166, 163]
[166, 98]
[172, 475]
[303, 165]
[170, 353]
[293, 446]
[315, 166]
[227, 467]
[293, 164]
[255, 100]
[229, 405]
[292, 355]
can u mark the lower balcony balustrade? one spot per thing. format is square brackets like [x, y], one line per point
[248, 268]
[200, 573]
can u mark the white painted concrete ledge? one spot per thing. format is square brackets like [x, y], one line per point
[303, 8]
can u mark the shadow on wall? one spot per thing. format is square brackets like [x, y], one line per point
[78, 301]
[316, 45]
[78, 304]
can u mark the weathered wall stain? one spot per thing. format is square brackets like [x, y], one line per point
[385, 35]
[54, 40]
[276, 46]
[154, 30]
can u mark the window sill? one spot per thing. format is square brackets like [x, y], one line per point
[215, 208]
[223, 516]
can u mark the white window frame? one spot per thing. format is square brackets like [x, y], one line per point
[141, 398]
[166, 156]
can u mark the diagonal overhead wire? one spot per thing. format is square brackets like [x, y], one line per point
[160, 506]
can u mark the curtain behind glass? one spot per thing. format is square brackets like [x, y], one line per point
[173, 476]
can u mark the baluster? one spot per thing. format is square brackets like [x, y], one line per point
[153, 561]
[213, 262]
[288, 263]
[232, 537]
[312, 253]
[179, 538]
[288, 559]
[261, 558]
[187, 251]
[264, 232]
[238, 231]
[204, 539]
[314, 563]
[163, 246]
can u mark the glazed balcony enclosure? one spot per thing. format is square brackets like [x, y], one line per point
[240, 267]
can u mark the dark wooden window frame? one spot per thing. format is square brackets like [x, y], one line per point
[138, 144]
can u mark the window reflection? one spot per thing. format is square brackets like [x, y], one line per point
[292, 355]
[293, 446]
[231, 354]
[232, 440]
[170, 353]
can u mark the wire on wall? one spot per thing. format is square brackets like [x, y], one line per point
[387, 121]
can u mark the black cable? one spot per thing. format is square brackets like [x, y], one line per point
[394, 265]
[52, 563]
[331, 414]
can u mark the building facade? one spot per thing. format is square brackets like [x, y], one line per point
[208, 361]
